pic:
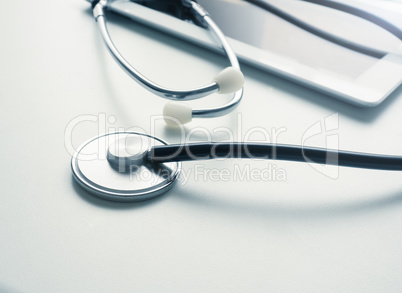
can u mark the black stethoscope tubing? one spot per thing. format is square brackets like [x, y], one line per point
[207, 151]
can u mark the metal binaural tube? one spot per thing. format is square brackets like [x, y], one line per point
[171, 94]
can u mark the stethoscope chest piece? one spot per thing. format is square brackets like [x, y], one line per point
[113, 167]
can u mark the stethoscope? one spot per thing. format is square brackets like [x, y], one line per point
[130, 166]
[229, 80]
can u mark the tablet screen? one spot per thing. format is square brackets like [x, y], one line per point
[253, 25]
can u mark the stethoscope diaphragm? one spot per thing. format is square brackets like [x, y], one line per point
[112, 167]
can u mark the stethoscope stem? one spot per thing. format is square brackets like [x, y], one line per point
[208, 151]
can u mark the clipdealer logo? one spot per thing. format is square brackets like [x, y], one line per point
[324, 130]
[270, 173]
[200, 172]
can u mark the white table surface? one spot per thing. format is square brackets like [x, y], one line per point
[306, 233]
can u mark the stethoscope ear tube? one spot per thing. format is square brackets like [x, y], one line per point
[229, 80]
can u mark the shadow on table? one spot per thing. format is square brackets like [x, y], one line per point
[265, 209]
[111, 204]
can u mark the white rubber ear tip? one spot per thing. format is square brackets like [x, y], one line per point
[175, 114]
[230, 80]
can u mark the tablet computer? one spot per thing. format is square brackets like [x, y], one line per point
[266, 41]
